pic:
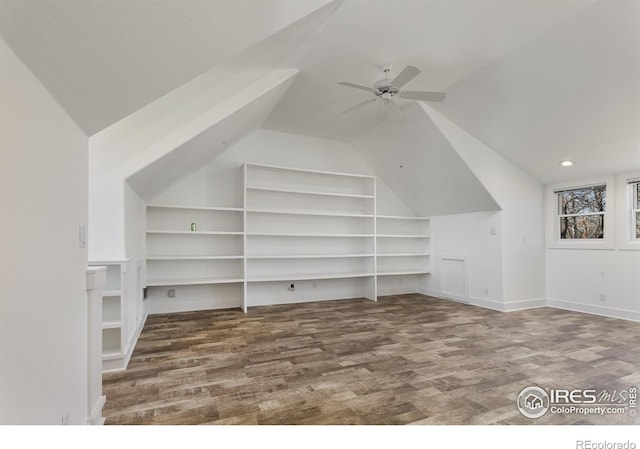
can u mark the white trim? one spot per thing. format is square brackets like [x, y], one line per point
[525, 304]
[625, 227]
[634, 210]
[611, 312]
[96, 417]
[309, 171]
[390, 291]
[429, 292]
[508, 306]
[165, 305]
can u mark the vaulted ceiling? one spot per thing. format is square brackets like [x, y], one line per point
[538, 81]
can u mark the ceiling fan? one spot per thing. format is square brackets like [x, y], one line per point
[387, 91]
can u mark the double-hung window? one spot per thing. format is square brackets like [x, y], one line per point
[581, 212]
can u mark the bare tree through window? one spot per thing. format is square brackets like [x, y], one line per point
[581, 212]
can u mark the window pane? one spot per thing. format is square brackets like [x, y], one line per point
[586, 227]
[638, 225]
[583, 201]
[638, 195]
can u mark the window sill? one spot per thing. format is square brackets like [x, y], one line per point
[582, 245]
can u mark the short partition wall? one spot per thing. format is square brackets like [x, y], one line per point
[300, 235]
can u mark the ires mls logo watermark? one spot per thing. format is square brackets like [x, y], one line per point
[534, 402]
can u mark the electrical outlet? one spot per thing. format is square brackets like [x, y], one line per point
[65, 419]
[603, 297]
[486, 291]
[493, 230]
[171, 293]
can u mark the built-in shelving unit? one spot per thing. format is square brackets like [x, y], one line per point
[304, 225]
[403, 257]
[301, 235]
[196, 247]
[122, 318]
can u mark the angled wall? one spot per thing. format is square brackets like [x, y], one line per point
[192, 143]
[414, 158]
[521, 198]
[43, 304]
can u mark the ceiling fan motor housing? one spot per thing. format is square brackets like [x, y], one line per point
[384, 86]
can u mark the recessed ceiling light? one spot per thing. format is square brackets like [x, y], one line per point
[566, 163]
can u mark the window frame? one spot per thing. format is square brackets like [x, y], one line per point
[554, 216]
[633, 186]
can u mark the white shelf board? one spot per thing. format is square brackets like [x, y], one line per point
[403, 254]
[153, 231]
[316, 172]
[200, 281]
[303, 277]
[398, 217]
[403, 236]
[308, 256]
[307, 212]
[111, 324]
[279, 234]
[111, 355]
[309, 192]
[207, 208]
[402, 272]
[194, 257]
[111, 293]
[108, 261]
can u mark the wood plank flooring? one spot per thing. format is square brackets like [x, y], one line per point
[405, 359]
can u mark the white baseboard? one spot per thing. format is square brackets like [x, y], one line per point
[281, 300]
[508, 306]
[429, 292]
[610, 312]
[396, 291]
[157, 306]
[487, 304]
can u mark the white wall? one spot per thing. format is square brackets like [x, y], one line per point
[576, 278]
[219, 183]
[468, 236]
[414, 158]
[521, 198]
[43, 307]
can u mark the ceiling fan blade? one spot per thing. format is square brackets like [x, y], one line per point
[392, 111]
[358, 86]
[422, 95]
[409, 73]
[359, 105]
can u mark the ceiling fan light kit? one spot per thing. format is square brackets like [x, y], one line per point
[387, 91]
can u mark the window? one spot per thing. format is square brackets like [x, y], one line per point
[581, 212]
[635, 209]
[581, 215]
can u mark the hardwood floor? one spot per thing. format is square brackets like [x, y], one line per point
[405, 359]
